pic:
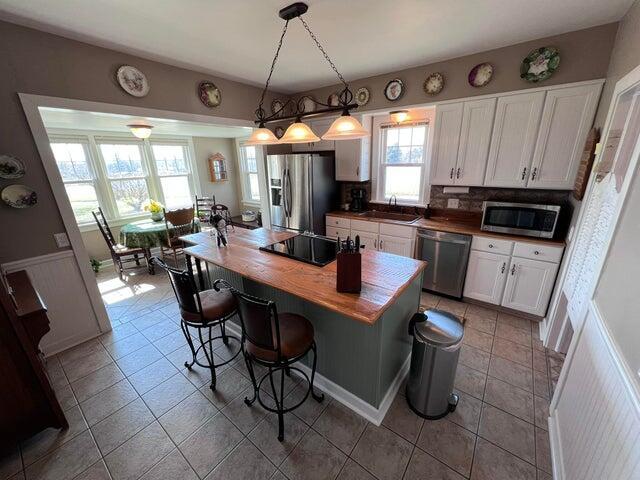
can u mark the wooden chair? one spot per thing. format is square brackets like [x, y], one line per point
[119, 253]
[203, 207]
[177, 223]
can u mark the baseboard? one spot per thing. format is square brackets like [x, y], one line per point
[556, 452]
[348, 399]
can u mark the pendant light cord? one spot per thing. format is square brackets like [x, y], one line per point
[260, 110]
[326, 56]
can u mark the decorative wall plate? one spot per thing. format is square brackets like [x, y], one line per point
[209, 94]
[307, 104]
[11, 167]
[362, 96]
[278, 132]
[394, 90]
[276, 107]
[480, 75]
[132, 81]
[540, 64]
[433, 84]
[19, 196]
[333, 100]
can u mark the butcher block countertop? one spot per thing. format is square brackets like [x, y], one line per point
[384, 276]
[452, 225]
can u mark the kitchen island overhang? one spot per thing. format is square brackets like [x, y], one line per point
[363, 343]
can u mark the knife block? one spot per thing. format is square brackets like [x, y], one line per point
[349, 277]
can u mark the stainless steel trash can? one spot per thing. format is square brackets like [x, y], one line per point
[437, 337]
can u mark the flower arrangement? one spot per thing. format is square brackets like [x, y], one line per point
[155, 208]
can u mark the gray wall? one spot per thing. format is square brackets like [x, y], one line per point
[40, 63]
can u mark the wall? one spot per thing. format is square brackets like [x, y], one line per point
[40, 63]
[472, 201]
[584, 56]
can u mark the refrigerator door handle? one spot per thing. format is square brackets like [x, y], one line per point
[284, 192]
[289, 193]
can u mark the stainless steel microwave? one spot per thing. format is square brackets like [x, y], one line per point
[520, 218]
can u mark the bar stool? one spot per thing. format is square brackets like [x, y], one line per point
[202, 311]
[275, 341]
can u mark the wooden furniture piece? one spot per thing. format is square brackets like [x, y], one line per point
[203, 207]
[238, 222]
[204, 310]
[120, 253]
[177, 223]
[28, 403]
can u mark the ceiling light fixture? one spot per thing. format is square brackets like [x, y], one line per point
[344, 127]
[140, 130]
[399, 116]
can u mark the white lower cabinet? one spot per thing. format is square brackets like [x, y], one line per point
[529, 285]
[486, 275]
[396, 245]
[368, 239]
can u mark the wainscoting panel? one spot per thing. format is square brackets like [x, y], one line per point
[595, 425]
[57, 279]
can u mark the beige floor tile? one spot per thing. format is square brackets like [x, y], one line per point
[120, 426]
[244, 462]
[171, 343]
[97, 471]
[478, 339]
[130, 364]
[96, 382]
[314, 458]
[173, 466]
[106, 402]
[544, 475]
[311, 409]
[429, 300]
[74, 354]
[541, 406]
[161, 329]
[401, 419]
[474, 358]
[382, 452]
[66, 397]
[127, 345]
[508, 432]
[353, 471]
[470, 381]
[265, 436]
[141, 452]
[340, 425]
[423, 466]
[229, 385]
[146, 320]
[514, 321]
[89, 363]
[509, 398]
[467, 413]
[511, 372]
[543, 451]
[481, 311]
[539, 361]
[55, 372]
[512, 351]
[187, 416]
[452, 306]
[493, 463]
[168, 394]
[118, 333]
[484, 324]
[449, 443]
[514, 334]
[243, 416]
[541, 384]
[152, 376]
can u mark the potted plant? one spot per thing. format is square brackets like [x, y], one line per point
[155, 208]
[95, 265]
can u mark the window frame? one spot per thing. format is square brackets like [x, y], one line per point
[245, 185]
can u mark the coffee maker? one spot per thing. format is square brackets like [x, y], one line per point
[358, 200]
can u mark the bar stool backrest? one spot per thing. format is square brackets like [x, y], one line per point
[184, 287]
[259, 319]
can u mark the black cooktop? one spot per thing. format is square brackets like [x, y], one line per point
[306, 248]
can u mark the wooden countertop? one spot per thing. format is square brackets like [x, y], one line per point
[384, 276]
[452, 225]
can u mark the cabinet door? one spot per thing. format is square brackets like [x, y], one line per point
[446, 139]
[529, 285]
[486, 275]
[395, 245]
[368, 239]
[515, 130]
[475, 137]
[566, 119]
[353, 157]
[335, 232]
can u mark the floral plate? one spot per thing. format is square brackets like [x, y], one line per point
[480, 75]
[433, 84]
[394, 90]
[11, 167]
[132, 81]
[540, 64]
[19, 196]
[362, 96]
[209, 94]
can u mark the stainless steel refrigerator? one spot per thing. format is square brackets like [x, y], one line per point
[302, 188]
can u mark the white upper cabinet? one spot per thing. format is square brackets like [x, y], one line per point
[513, 139]
[353, 157]
[446, 139]
[475, 136]
[566, 119]
[319, 127]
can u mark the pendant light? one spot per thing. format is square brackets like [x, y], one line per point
[140, 130]
[262, 136]
[399, 116]
[298, 132]
[345, 127]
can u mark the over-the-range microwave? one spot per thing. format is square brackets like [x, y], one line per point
[520, 218]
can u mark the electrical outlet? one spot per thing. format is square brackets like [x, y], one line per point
[61, 240]
[453, 203]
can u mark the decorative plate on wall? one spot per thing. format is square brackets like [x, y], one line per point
[279, 132]
[307, 104]
[540, 64]
[480, 75]
[362, 96]
[209, 94]
[132, 81]
[333, 100]
[433, 84]
[394, 90]
[19, 196]
[11, 167]
[276, 107]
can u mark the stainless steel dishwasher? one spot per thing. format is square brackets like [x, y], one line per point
[447, 255]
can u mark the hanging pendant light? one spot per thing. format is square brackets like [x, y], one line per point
[298, 132]
[262, 136]
[345, 127]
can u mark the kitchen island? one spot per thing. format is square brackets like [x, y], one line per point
[362, 339]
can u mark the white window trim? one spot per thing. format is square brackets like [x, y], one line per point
[101, 182]
[377, 181]
[244, 174]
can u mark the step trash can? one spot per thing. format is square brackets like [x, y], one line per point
[437, 337]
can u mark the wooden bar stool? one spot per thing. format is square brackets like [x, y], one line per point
[275, 341]
[202, 311]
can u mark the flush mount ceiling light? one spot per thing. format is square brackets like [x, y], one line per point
[344, 127]
[399, 116]
[140, 130]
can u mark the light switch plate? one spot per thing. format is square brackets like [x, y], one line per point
[453, 203]
[61, 240]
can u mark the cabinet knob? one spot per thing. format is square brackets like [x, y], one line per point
[534, 173]
[451, 174]
[491, 245]
[513, 269]
[504, 266]
[458, 173]
[524, 173]
[536, 252]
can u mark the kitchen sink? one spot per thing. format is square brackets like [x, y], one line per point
[399, 217]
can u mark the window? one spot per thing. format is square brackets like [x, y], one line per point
[73, 162]
[249, 169]
[172, 166]
[402, 163]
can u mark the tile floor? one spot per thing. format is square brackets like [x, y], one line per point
[135, 412]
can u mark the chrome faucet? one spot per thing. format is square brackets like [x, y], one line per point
[395, 200]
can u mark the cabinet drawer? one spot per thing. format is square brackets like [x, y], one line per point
[335, 232]
[364, 226]
[338, 222]
[397, 230]
[493, 245]
[534, 251]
